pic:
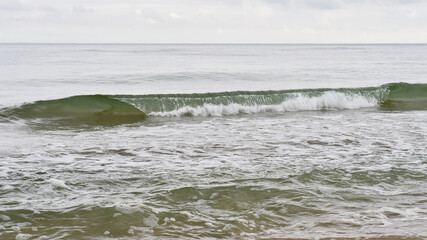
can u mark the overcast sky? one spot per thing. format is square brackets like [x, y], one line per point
[214, 21]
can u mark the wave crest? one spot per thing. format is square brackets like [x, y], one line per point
[328, 101]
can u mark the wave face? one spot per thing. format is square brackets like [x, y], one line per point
[131, 108]
[96, 109]
[404, 96]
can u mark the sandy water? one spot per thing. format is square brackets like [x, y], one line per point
[327, 170]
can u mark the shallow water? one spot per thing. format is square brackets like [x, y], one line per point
[322, 171]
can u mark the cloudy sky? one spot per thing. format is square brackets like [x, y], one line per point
[214, 21]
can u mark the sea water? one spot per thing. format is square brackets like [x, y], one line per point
[110, 141]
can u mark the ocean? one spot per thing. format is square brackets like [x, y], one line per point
[199, 141]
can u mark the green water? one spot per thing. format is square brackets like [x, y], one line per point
[118, 109]
[166, 141]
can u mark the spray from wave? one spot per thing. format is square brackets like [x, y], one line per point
[299, 102]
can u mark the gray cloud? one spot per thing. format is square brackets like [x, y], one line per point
[11, 5]
[213, 21]
[334, 4]
[81, 9]
[323, 4]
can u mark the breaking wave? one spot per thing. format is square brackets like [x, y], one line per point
[299, 102]
[132, 108]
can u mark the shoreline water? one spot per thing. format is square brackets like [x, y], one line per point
[341, 156]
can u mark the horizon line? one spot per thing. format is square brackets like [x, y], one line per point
[224, 43]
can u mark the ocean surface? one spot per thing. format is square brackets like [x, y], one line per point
[128, 141]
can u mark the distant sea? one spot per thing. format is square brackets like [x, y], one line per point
[163, 141]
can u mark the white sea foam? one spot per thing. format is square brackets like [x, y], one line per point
[151, 221]
[4, 217]
[330, 100]
[22, 236]
[59, 183]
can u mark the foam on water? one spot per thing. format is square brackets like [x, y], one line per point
[251, 176]
[302, 145]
